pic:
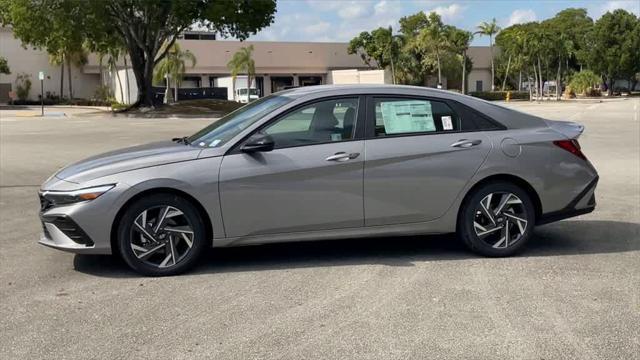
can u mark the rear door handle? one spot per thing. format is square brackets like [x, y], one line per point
[464, 143]
[342, 156]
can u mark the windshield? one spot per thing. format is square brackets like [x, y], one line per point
[223, 130]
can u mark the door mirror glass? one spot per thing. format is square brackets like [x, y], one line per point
[258, 142]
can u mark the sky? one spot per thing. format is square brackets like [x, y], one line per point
[340, 21]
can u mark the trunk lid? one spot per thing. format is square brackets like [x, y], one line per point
[570, 129]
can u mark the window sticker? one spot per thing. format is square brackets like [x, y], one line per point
[336, 137]
[446, 123]
[407, 116]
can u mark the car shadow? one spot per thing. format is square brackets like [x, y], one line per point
[558, 239]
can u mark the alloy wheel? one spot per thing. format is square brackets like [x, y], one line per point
[161, 236]
[500, 220]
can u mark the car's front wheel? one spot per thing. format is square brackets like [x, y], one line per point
[161, 234]
[497, 219]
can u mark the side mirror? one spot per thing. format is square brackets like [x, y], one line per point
[258, 143]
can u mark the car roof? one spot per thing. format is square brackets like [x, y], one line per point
[364, 88]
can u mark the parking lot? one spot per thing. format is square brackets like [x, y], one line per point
[574, 293]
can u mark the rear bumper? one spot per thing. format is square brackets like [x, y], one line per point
[582, 204]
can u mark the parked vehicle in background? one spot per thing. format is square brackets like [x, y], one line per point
[325, 162]
[244, 95]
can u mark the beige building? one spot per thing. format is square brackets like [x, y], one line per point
[278, 65]
[479, 78]
[30, 61]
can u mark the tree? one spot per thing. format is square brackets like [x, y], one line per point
[411, 69]
[4, 67]
[434, 40]
[112, 62]
[612, 53]
[379, 45]
[242, 62]
[584, 80]
[57, 59]
[490, 29]
[141, 26]
[54, 25]
[173, 67]
[460, 40]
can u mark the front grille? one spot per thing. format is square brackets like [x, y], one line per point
[69, 228]
[44, 203]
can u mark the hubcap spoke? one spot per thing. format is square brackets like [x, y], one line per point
[161, 236]
[143, 253]
[502, 224]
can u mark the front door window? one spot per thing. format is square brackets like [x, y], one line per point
[321, 122]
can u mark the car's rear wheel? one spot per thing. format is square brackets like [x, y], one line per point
[497, 219]
[161, 234]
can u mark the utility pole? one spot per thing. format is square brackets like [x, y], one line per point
[41, 77]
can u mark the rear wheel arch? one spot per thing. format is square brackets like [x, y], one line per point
[154, 191]
[513, 179]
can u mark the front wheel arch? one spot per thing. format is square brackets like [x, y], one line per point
[201, 211]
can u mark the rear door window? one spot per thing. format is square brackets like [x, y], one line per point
[398, 116]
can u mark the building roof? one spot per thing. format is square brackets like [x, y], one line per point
[270, 57]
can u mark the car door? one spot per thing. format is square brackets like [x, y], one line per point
[420, 153]
[311, 180]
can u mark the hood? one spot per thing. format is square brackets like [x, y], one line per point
[131, 158]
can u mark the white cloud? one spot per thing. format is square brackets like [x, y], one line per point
[520, 16]
[344, 9]
[632, 6]
[449, 13]
[354, 9]
[316, 28]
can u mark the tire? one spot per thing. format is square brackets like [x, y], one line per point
[496, 234]
[169, 249]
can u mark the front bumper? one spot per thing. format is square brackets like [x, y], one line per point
[62, 233]
[83, 227]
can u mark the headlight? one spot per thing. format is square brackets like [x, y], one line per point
[69, 197]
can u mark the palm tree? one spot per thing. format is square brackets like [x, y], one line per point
[173, 67]
[242, 62]
[392, 51]
[460, 41]
[435, 39]
[114, 55]
[490, 29]
[77, 58]
[58, 59]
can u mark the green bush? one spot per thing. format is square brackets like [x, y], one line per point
[103, 93]
[23, 86]
[500, 95]
[583, 81]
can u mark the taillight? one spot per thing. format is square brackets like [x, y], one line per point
[571, 146]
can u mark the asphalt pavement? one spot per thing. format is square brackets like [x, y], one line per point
[574, 293]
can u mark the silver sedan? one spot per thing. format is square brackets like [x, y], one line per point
[325, 162]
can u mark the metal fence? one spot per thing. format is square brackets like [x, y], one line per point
[191, 93]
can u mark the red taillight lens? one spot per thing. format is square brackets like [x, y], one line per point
[571, 146]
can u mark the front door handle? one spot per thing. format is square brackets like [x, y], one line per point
[464, 143]
[342, 156]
